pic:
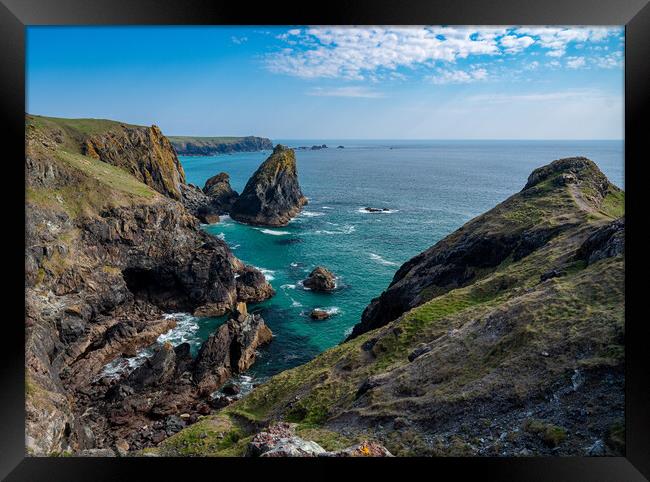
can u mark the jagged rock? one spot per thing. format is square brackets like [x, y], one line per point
[318, 314]
[419, 351]
[142, 151]
[554, 273]
[219, 192]
[606, 242]
[320, 279]
[376, 210]
[252, 285]
[272, 195]
[156, 370]
[196, 202]
[280, 440]
[231, 349]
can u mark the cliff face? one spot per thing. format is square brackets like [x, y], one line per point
[505, 338]
[106, 254]
[272, 195]
[144, 153]
[209, 146]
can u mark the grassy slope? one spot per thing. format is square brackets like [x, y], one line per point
[583, 309]
[97, 185]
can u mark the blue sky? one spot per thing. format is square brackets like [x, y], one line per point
[336, 82]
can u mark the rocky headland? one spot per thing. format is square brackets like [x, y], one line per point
[209, 146]
[110, 248]
[506, 338]
[272, 195]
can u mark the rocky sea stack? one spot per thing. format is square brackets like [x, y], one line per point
[272, 195]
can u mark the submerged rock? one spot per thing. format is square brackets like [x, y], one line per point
[320, 279]
[376, 210]
[272, 195]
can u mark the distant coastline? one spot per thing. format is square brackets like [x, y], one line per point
[209, 146]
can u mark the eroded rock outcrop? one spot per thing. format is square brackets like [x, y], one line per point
[221, 195]
[144, 152]
[272, 195]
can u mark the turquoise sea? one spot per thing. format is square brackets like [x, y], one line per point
[430, 188]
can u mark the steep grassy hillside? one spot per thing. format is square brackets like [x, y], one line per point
[510, 341]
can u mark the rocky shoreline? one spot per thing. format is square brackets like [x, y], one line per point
[110, 248]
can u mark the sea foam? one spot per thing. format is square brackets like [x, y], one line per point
[380, 260]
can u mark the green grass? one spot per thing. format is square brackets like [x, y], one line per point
[550, 434]
[72, 132]
[614, 203]
[99, 185]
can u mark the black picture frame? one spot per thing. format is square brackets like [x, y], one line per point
[15, 15]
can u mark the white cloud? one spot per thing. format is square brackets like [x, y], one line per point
[514, 44]
[352, 53]
[609, 61]
[459, 76]
[575, 62]
[580, 95]
[558, 38]
[374, 53]
[238, 40]
[345, 92]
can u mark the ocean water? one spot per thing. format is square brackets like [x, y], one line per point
[430, 188]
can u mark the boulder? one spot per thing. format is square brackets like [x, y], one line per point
[320, 279]
[318, 314]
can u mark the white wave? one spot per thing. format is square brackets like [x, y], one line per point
[221, 236]
[184, 331]
[331, 310]
[235, 246]
[295, 265]
[296, 304]
[300, 283]
[288, 287]
[346, 229]
[348, 332]
[311, 214]
[268, 273]
[380, 260]
[274, 233]
[363, 210]
[224, 217]
[326, 207]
